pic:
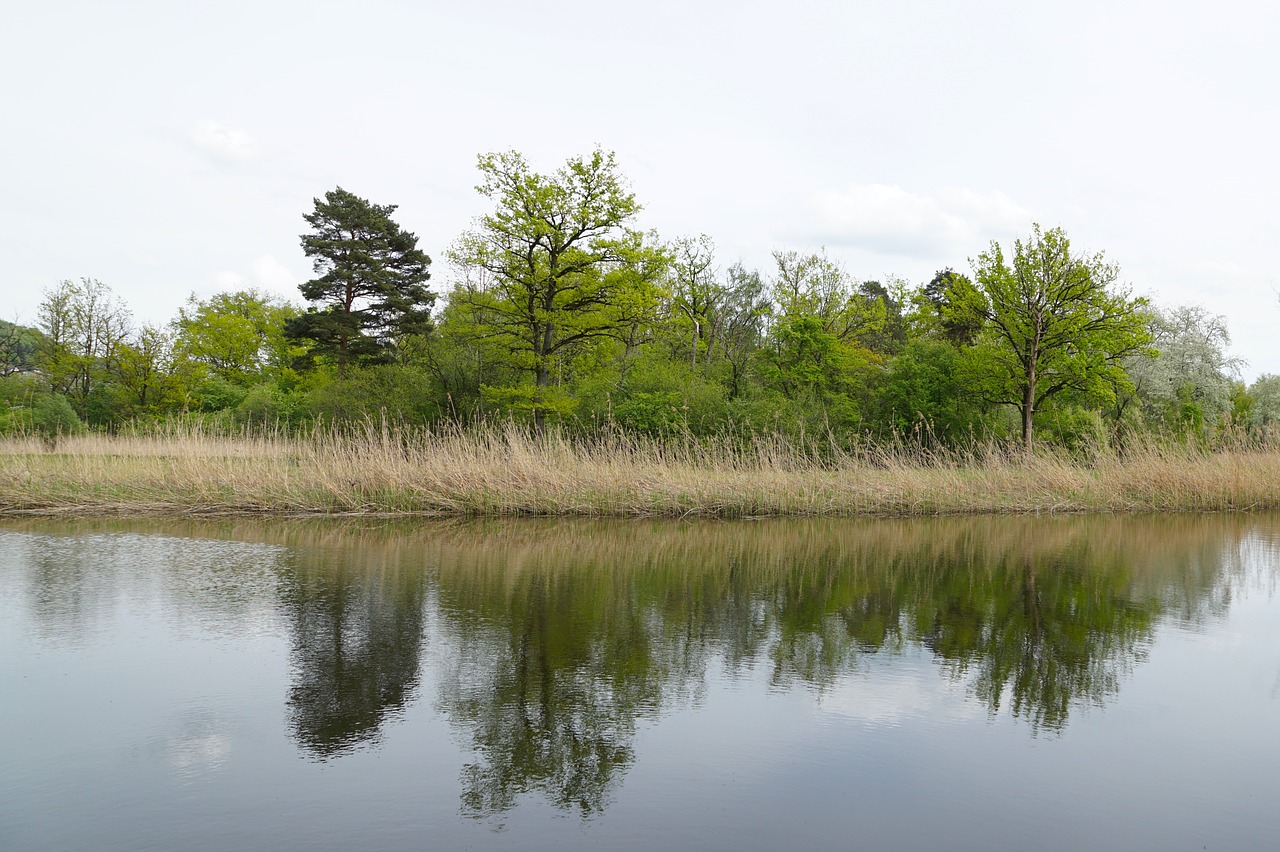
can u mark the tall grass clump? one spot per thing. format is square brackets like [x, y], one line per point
[503, 468]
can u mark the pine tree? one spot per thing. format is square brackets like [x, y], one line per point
[370, 284]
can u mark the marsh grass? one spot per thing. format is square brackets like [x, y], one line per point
[504, 469]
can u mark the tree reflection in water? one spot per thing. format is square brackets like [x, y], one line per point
[556, 638]
[357, 626]
[567, 634]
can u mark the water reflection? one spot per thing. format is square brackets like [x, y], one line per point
[357, 628]
[554, 640]
[551, 677]
[573, 632]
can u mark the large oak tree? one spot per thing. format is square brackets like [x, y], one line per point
[554, 267]
[1055, 322]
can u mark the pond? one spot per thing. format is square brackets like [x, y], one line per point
[981, 683]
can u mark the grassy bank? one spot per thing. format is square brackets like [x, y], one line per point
[505, 471]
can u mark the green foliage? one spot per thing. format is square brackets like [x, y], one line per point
[892, 335]
[51, 416]
[658, 394]
[816, 286]
[1078, 430]
[370, 284]
[19, 348]
[822, 376]
[1264, 411]
[960, 308]
[651, 412]
[84, 325]
[1054, 324]
[217, 394]
[815, 355]
[16, 391]
[402, 394]
[269, 403]
[236, 336]
[527, 403]
[1241, 403]
[555, 267]
[921, 391]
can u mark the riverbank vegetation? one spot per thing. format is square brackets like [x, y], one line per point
[570, 362]
[514, 470]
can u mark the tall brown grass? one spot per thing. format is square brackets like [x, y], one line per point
[507, 470]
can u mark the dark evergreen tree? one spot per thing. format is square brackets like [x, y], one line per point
[370, 284]
[952, 295]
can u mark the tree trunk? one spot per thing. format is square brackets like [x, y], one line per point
[541, 381]
[1028, 411]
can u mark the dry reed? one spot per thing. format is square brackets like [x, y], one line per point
[505, 470]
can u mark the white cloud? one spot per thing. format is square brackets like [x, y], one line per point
[265, 273]
[227, 280]
[881, 699]
[890, 220]
[222, 143]
[199, 753]
[272, 274]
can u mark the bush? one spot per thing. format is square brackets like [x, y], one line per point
[921, 392]
[269, 403]
[657, 396]
[1078, 430]
[218, 394]
[651, 413]
[53, 417]
[405, 394]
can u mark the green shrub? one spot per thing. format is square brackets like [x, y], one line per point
[1078, 430]
[52, 414]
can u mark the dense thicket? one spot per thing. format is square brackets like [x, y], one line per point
[558, 311]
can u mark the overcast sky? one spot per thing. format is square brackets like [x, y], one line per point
[167, 148]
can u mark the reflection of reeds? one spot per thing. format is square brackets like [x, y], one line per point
[1039, 614]
[1150, 550]
[508, 471]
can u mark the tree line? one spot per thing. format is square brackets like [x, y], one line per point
[560, 311]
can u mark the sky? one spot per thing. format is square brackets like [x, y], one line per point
[172, 148]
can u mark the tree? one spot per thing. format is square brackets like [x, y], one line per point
[695, 292]
[52, 418]
[238, 337]
[371, 281]
[555, 267]
[816, 372]
[84, 325]
[814, 285]
[1264, 413]
[957, 304]
[1053, 324]
[1190, 380]
[920, 390]
[892, 336]
[745, 310]
[817, 355]
[19, 347]
[143, 371]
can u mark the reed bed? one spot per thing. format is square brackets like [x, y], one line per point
[505, 470]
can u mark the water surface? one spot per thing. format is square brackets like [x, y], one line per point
[1006, 683]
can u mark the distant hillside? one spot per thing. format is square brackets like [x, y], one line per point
[19, 345]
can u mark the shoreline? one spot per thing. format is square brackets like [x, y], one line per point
[512, 474]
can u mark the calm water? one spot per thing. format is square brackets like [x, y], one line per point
[1068, 683]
